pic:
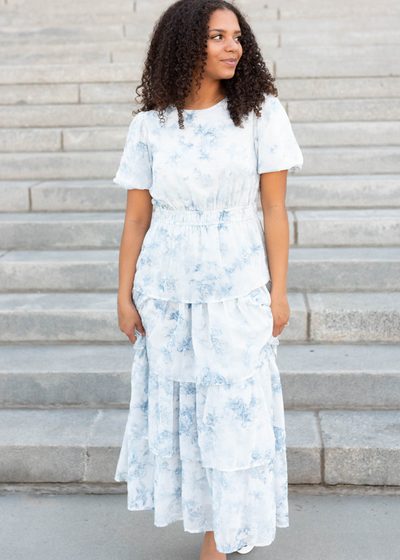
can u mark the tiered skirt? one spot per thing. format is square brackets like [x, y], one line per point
[205, 436]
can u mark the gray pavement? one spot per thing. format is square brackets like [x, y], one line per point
[99, 527]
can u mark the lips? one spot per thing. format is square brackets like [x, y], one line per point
[230, 62]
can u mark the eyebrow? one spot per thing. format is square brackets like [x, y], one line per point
[224, 30]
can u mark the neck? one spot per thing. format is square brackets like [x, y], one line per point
[204, 98]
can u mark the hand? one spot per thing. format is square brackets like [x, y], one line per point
[280, 312]
[128, 319]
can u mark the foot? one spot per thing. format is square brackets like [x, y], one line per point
[209, 549]
[246, 549]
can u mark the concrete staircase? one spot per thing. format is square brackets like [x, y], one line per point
[66, 95]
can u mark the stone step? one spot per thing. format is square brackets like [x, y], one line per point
[347, 317]
[61, 34]
[63, 196]
[77, 271]
[124, 92]
[333, 161]
[124, 51]
[350, 161]
[74, 139]
[336, 88]
[46, 116]
[329, 447]
[86, 195]
[110, 36]
[346, 191]
[341, 8]
[82, 376]
[277, 60]
[354, 317]
[351, 191]
[343, 269]
[313, 377]
[308, 228]
[89, 317]
[345, 11]
[334, 38]
[113, 138]
[334, 376]
[344, 110]
[49, 94]
[367, 227]
[356, 133]
[68, 317]
[260, 19]
[48, 57]
[61, 230]
[51, 230]
[69, 73]
[87, 19]
[31, 140]
[92, 46]
[322, 25]
[337, 112]
[73, 6]
[67, 165]
[298, 67]
[124, 72]
[101, 56]
[269, 45]
[15, 196]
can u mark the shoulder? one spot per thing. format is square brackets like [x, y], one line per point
[271, 104]
[148, 120]
[138, 124]
[272, 112]
[139, 118]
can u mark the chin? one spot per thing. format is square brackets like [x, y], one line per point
[227, 75]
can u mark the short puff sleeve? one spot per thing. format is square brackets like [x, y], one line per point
[135, 168]
[277, 147]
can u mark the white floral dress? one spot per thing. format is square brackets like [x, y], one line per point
[205, 437]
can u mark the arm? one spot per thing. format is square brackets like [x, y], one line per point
[276, 228]
[137, 222]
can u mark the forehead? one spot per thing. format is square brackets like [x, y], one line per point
[223, 19]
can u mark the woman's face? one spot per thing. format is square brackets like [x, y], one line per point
[223, 47]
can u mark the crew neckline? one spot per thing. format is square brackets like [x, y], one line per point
[206, 108]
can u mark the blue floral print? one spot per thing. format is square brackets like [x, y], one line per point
[206, 241]
[205, 438]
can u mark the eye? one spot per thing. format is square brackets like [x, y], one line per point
[220, 35]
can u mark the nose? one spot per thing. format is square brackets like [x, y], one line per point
[233, 46]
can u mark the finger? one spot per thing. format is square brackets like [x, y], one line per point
[278, 330]
[132, 337]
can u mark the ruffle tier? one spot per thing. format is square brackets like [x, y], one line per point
[203, 450]
[207, 343]
[202, 256]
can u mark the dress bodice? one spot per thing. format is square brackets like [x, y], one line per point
[206, 241]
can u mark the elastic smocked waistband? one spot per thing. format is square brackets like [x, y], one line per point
[199, 217]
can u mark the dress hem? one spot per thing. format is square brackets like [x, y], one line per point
[228, 550]
[215, 383]
[196, 302]
[264, 461]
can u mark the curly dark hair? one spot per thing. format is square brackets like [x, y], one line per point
[178, 40]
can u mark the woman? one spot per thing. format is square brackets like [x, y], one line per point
[205, 437]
